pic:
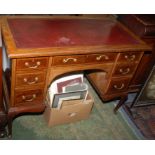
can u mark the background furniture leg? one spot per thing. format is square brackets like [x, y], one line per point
[121, 102]
[3, 122]
[9, 127]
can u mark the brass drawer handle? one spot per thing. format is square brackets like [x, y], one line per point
[31, 82]
[72, 114]
[33, 67]
[121, 87]
[130, 57]
[29, 100]
[98, 58]
[124, 71]
[69, 59]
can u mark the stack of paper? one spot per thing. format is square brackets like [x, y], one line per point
[67, 88]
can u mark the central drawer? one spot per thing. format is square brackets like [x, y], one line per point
[68, 60]
[100, 58]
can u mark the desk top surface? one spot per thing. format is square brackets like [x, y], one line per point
[40, 33]
[49, 35]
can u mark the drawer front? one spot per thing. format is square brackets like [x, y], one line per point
[130, 56]
[118, 85]
[124, 69]
[32, 63]
[68, 60]
[30, 79]
[28, 97]
[99, 58]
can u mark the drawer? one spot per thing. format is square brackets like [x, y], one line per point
[28, 97]
[32, 63]
[30, 79]
[70, 111]
[118, 85]
[125, 69]
[130, 56]
[99, 58]
[69, 60]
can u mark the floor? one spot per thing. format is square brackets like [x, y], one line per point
[144, 118]
[102, 124]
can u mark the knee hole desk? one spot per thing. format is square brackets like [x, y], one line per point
[41, 49]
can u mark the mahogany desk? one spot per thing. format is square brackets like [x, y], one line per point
[42, 49]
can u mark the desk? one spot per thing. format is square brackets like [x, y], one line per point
[42, 49]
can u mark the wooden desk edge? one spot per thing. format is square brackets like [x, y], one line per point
[13, 52]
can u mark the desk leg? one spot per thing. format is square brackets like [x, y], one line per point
[121, 102]
[15, 112]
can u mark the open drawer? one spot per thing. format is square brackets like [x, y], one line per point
[71, 111]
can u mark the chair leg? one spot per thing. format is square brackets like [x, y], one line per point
[9, 127]
[3, 122]
[3, 132]
[7, 103]
[121, 102]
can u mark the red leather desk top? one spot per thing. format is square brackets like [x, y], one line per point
[40, 33]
